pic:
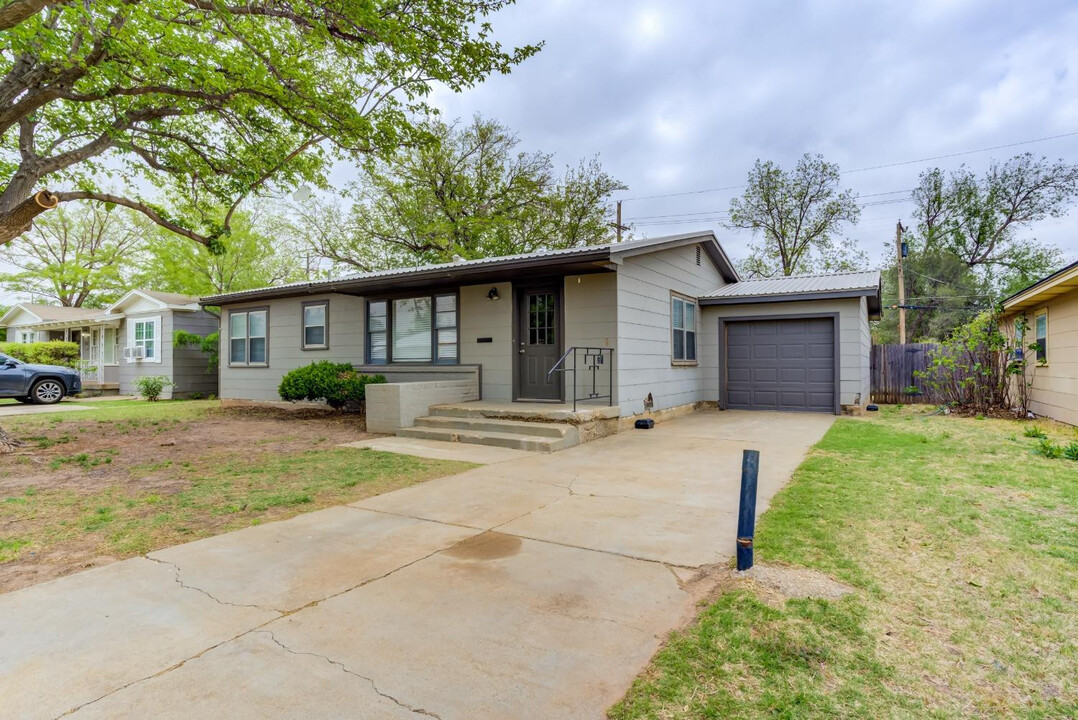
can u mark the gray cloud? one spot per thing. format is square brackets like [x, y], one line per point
[680, 96]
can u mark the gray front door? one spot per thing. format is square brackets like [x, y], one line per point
[784, 364]
[539, 344]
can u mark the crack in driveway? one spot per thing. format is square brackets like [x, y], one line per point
[219, 601]
[346, 669]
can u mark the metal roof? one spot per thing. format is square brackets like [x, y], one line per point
[795, 288]
[450, 270]
[836, 282]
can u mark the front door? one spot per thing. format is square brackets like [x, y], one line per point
[539, 338]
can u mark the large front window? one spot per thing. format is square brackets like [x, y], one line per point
[247, 337]
[412, 330]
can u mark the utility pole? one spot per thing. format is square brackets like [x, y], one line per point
[617, 225]
[900, 248]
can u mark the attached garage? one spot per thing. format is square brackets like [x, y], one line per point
[782, 364]
[797, 343]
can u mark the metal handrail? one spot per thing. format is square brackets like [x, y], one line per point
[597, 357]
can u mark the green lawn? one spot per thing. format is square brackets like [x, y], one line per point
[962, 546]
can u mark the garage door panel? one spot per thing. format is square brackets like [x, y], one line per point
[781, 364]
[763, 351]
[793, 375]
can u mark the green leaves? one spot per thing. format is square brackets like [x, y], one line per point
[797, 215]
[215, 101]
[467, 191]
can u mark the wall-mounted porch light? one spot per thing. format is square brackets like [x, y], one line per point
[493, 294]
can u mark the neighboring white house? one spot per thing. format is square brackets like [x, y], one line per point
[132, 337]
[659, 323]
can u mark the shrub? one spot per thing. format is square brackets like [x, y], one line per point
[338, 384]
[1049, 449]
[1034, 431]
[974, 369]
[151, 386]
[54, 352]
[1071, 451]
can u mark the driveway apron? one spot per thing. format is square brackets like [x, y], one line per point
[536, 587]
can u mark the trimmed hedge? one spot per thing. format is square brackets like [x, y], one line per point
[54, 352]
[338, 384]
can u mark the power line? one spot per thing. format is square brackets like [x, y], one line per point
[873, 167]
[960, 154]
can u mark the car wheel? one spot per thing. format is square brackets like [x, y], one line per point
[47, 392]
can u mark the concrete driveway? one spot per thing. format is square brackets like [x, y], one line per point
[536, 587]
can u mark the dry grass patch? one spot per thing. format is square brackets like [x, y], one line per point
[92, 487]
[961, 544]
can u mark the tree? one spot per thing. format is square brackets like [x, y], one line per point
[968, 248]
[77, 256]
[979, 219]
[467, 191]
[248, 258]
[217, 99]
[797, 214]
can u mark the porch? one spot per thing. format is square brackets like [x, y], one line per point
[98, 342]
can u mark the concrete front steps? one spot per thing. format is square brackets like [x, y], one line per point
[513, 425]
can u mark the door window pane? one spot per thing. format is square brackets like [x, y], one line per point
[412, 330]
[541, 319]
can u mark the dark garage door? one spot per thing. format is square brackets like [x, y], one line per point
[781, 365]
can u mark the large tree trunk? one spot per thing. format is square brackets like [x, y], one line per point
[21, 217]
[8, 442]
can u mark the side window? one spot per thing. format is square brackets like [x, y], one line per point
[683, 313]
[1041, 324]
[316, 326]
[248, 338]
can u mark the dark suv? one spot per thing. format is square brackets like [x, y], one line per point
[41, 384]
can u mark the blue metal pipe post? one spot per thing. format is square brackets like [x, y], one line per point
[746, 516]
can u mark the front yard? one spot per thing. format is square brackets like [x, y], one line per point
[961, 546]
[128, 477]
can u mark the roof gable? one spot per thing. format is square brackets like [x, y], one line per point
[19, 315]
[151, 300]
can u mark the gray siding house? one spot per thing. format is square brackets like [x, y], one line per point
[132, 337]
[647, 325]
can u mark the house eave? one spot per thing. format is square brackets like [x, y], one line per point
[406, 279]
[873, 295]
[1045, 290]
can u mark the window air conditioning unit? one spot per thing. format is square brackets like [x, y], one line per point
[134, 353]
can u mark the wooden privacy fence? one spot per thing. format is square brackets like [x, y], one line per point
[893, 368]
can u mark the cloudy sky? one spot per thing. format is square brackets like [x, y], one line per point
[683, 96]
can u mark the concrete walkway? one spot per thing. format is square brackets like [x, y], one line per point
[535, 588]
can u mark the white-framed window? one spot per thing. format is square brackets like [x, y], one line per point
[683, 312]
[316, 325]
[142, 333]
[27, 336]
[248, 337]
[1040, 325]
[146, 338]
[413, 330]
